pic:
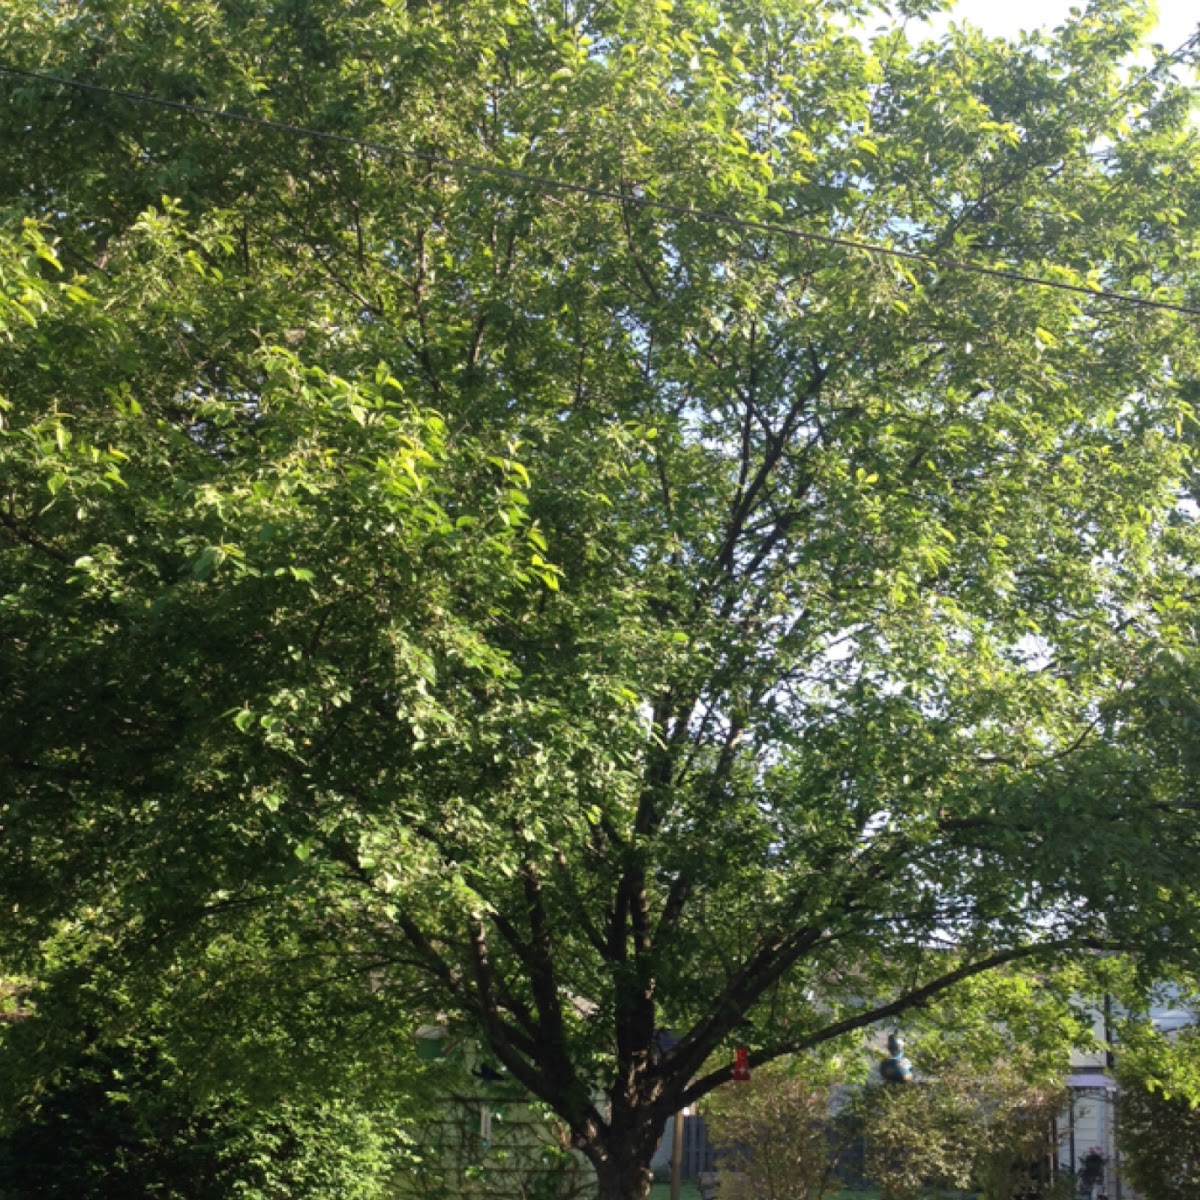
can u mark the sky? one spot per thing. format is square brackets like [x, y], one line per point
[1178, 19]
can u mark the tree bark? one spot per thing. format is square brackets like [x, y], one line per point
[624, 1178]
[622, 1156]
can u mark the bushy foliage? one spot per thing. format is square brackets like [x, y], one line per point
[778, 1136]
[123, 1123]
[1158, 1111]
[960, 1128]
[1159, 1138]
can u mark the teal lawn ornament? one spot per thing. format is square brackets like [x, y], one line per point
[896, 1068]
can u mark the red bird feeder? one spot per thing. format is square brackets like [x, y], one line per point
[741, 1065]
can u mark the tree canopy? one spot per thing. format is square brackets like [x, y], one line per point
[479, 538]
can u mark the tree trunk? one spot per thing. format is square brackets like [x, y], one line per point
[623, 1179]
[622, 1155]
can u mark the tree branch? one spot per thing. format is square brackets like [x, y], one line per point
[871, 1016]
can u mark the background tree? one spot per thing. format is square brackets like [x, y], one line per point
[120, 1125]
[778, 1136]
[687, 625]
[991, 1058]
[1159, 1140]
[990, 1131]
[992, 1055]
[1158, 1106]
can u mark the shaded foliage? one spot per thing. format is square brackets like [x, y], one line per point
[1158, 1110]
[123, 1122]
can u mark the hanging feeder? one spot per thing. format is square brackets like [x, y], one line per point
[741, 1065]
[896, 1068]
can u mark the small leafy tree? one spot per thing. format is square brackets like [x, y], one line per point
[1158, 1115]
[777, 1135]
[1016, 1134]
[991, 1057]
[101, 1099]
[1159, 1138]
[916, 1135]
[960, 1129]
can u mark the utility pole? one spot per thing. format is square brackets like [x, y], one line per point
[677, 1154]
[1110, 1060]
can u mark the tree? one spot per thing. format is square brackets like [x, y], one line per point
[989, 1131]
[778, 1136]
[120, 1125]
[562, 610]
[992, 1057]
[1160, 1142]
[1158, 1109]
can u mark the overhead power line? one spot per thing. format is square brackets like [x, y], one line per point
[550, 184]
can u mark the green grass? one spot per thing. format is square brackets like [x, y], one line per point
[662, 1191]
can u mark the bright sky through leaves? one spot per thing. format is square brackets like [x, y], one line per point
[1177, 18]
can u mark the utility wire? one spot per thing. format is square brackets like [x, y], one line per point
[547, 183]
